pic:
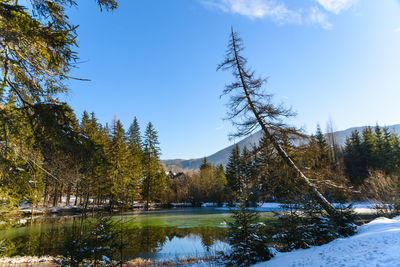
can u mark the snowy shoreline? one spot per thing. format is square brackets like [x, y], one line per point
[376, 243]
[358, 207]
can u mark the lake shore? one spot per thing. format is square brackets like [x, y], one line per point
[358, 207]
[29, 261]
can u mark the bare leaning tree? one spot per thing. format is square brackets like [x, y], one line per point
[251, 108]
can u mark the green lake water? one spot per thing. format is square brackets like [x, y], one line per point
[157, 235]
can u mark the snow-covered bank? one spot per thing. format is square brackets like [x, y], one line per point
[376, 244]
[358, 207]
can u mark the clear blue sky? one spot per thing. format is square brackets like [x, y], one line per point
[156, 59]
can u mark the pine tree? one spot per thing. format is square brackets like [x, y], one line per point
[233, 171]
[154, 177]
[379, 153]
[368, 148]
[323, 147]
[246, 170]
[135, 158]
[119, 164]
[247, 238]
[36, 43]
[220, 183]
[354, 160]
[207, 180]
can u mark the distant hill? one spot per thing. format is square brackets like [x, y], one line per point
[342, 135]
[222, 156]
[219, 157]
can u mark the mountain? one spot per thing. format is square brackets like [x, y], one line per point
[222, 156]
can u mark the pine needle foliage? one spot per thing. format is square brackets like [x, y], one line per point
[37, 43]
[248, 238]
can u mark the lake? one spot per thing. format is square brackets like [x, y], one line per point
[157, 235]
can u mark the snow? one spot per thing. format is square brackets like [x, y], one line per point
[207, 204]
[376, 244]
[362, 207]
[105, 258]
[261, 207]
[358, 207]
[181, 205]
[22, 221]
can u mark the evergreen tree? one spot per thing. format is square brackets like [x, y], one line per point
[354, 159]
[135, 158]
[246, 170]
[368, 149]
[154, 177]
[119, 164]
[389, 152]
[36, 44]
[323, 147]
[233, 172]
[220, 184]
[248, 239]
[207, 179]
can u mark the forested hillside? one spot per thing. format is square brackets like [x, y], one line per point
[221, 157]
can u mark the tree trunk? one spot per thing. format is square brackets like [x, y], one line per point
[67, 202]
[76, 195]
[46, 188]
[55, 195]
[317, 195]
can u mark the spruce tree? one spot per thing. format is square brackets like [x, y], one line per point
[323, 147]
[154, 177]
[207, 180]
[119, 163]
[233, 171]
[246, 170]
[248, 239]
[134, 140]
[220, 183]
[354, 160]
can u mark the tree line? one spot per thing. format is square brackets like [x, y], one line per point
[77, 161]
[111, 166]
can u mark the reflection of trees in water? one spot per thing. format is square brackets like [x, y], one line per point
[41, 240]
[150, 240]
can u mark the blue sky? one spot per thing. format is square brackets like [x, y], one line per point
[156, 59]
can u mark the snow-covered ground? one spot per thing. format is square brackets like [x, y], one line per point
[376, 244]
[358, 207]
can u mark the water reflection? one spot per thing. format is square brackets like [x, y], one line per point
[148, 242]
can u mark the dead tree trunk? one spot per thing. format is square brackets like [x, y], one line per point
[325, 204]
